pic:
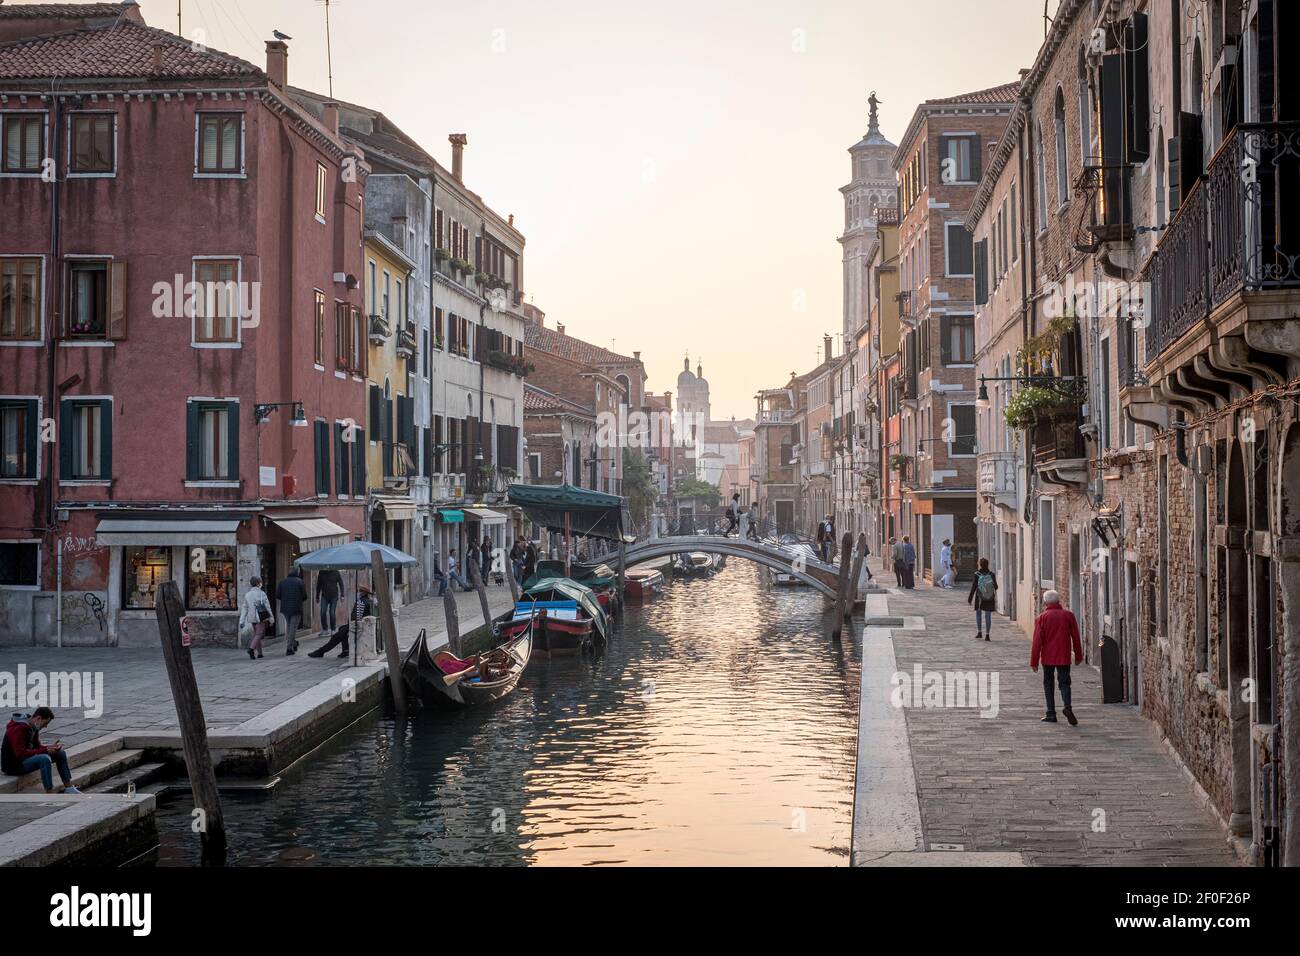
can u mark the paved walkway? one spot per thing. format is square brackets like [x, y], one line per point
[137, 697]
[1105, 792]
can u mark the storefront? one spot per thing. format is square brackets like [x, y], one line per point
[392, 522]
[286, 538]
[202, 554]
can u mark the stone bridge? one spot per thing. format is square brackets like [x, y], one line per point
[824, 577]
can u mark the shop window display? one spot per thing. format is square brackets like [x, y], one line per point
[145, 570]
[210, 581]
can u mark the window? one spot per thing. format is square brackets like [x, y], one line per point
[20, 565]
[210, 582]
[91, 148]
[220, 145]
[963, 438]
[19, 428]
[1107, 439]
[1014, 238]
[1046, 542]
[322, 180]
[359, 354]
[343, 443]
[342, 330]
[1040, 170]
[20, 299]
[212, 441]
[961, 159]
[534, 464]
[86, 440]
[217, 301]
[321, 457]
[424, 351]
[96, 299]
[960, 255]
[1062, 160]
[24, 135]
[144, 571]
[957, 345]
[318, 327]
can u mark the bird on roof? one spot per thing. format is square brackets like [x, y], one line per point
[280, 36]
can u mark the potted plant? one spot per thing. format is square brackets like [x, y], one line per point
[1032, 404]
[441, 254]
[900, 463]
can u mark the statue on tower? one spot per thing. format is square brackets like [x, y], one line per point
[874, 103]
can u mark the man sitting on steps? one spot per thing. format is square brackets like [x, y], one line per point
[22, 750]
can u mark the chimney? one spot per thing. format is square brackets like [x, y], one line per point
[332, 118]
[458, 142]
[277, 62]
[158, 49]
[637, 356]
[826, 344]
[559, 327]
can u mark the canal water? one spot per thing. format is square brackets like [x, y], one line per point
[718, 727]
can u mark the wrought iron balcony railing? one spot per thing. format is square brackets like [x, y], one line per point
[1229, 236]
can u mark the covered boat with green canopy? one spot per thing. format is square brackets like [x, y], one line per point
[570, 510]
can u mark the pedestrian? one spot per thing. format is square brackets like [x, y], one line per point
[329, 592]
[530, 561]
[896, 559]
[292, 595]
[362, 608]
[256, 614]
[984, 595]
[453, 571]
[826, 539]
[753, 532]
[485, 560]
[909, 563]
[22, 750]
[948, 572]
[439, 576]
[733, 515]
[1056, 633]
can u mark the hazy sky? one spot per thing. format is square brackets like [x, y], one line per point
[674, 165]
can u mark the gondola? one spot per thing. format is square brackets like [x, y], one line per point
[565, 616]
[444, 681]
[599, 577]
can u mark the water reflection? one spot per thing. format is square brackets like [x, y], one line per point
[717, 728]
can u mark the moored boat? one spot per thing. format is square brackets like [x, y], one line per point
[565, 616]
[444, 681]
[696, 564]
[642, 583]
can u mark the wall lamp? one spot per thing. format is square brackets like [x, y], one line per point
[262, 413]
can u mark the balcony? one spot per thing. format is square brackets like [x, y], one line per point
[1060, 454]
[1223, 279]
[997, 477]
[775, 416]
[379, 330]
[406, 340]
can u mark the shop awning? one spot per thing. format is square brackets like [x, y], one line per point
[395, 507]
[484, 515]
[166, 532]
[313, 533]
[451, 515]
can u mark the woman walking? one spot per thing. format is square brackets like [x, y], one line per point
[984, 595]
[256, 613]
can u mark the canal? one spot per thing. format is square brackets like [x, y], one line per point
[718, 727]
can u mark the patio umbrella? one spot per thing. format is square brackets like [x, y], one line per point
[354, 555]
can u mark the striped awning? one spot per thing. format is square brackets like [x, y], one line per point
[484, 515]
[313, 533]
[166, 532]
[395, 507]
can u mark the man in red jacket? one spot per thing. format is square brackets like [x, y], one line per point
[1056, 633]
[23, 752]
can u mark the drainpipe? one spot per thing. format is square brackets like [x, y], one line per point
[56, 315]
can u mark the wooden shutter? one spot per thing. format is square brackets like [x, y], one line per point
[232, 439]
[438, 219]
[976, 159]
[426, 453]
[376, 425]
[117, 299]
[105, 440]
[478, 254]
[1137, 115]
[32, 433]
[1190, 152]
[981, 272]
[359, 462]
[191, 441]
[322, 457]
[67, 435]
[437, 440]
[342, 466]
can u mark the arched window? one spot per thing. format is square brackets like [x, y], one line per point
[625, 384]
[1062, 163]
[1042, 177]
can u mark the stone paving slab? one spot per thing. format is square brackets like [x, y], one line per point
[1105, 793]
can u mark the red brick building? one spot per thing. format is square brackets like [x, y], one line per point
[183, 245]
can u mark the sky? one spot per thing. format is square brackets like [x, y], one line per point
[674, 166]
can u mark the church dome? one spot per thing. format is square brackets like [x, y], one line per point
[685, 378]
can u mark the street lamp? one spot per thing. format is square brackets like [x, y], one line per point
[262, 413]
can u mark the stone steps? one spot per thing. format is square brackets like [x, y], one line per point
[91, 763]
[140, 775]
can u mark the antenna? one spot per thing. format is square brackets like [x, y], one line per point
[179, 31]
[329, 57]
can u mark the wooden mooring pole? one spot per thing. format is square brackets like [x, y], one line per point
[452, 614]
[194, 729]
[379, 581]
[859, 557]
[476, 579]
[846, 558]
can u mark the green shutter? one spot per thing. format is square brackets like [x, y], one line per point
[106, 440]
[359, 462]
[341, 477]
[67, 431]
[191, 441]
[33, 430]
[232, 438]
